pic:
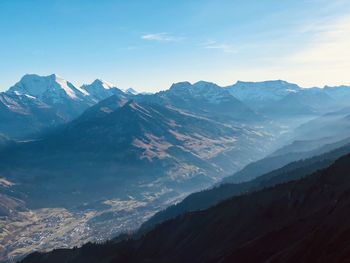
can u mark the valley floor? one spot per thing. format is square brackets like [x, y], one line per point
[44, 229]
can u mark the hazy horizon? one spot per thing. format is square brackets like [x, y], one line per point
[169, 85]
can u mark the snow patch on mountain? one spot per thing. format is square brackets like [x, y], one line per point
[47, 88]
[99, 83]
[100, 89]
[131, 91]
[208, 91]
[266, 90]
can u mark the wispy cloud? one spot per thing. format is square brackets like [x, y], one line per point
[224, 47]
[327, 56]
[320, 57]
[161, 37]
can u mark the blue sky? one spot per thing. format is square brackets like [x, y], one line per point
[150, 44]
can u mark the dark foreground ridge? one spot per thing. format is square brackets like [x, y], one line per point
[210, 197]
[299, 221]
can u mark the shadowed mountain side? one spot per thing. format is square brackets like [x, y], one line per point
[310, 102]
[334, 124]
[304, 221]
[205, 199]
[283, 156]
[138, 143]
[18, 111]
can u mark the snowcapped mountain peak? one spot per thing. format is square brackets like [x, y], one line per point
[131, 91]
[200, 88]
[99, 84]
[196, 87]
[265, 90]
[202, 83]
[52, 87]
[55, 76]
[180, 85]
[269, 84]
[100, 89]
[102, 83]
[203, 91]
[65, 85]
[206, 86]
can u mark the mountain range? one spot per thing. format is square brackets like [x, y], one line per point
[38, 102]
[96, 160]
[49, 101]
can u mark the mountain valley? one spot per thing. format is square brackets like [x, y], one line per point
[109, 159]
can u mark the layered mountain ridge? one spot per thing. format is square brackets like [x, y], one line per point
[103, 160]
[48, 101]
[303, 220]
[268, 172]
